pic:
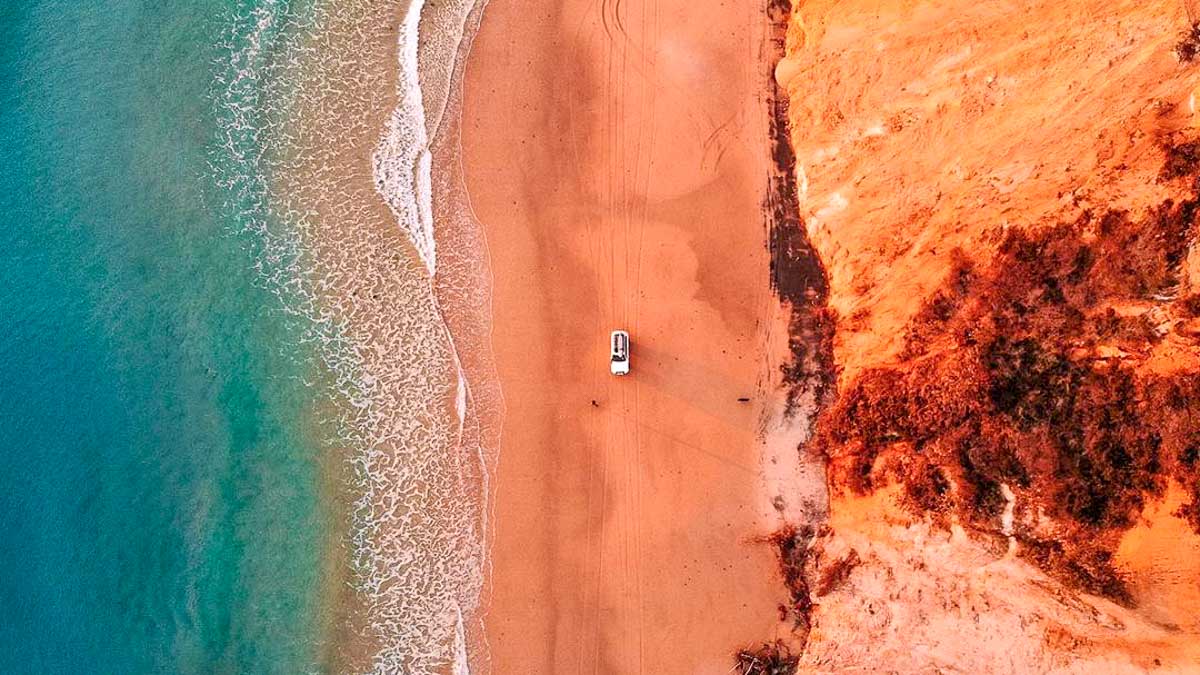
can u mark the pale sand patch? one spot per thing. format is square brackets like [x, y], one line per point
[923, 599]
[616, 153]
[1162, 554]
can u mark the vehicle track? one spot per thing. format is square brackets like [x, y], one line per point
[617, 189]
[616, 131]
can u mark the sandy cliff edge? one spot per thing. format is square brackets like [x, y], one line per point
[1003, 196]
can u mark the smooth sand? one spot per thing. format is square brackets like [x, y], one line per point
[616, 154]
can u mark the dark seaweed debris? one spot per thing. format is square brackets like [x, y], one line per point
[791, 550]
[797, 273]
[798, 278]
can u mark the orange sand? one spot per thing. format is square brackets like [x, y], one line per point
[926, 126]
[616, 154]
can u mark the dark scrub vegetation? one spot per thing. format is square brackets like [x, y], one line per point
[1000, 385]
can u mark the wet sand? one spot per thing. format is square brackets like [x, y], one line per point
[617, 155]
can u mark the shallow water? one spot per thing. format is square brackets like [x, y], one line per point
[209, 313]
[337, 100]
[159, 502]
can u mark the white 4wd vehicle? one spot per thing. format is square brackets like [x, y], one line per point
[620, 353]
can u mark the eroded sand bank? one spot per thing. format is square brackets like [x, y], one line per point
[1004, 196]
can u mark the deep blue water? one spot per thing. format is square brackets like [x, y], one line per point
[159, 505]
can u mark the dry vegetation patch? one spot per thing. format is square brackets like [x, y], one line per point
[1024, 374]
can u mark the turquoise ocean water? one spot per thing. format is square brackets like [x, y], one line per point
[159, 506]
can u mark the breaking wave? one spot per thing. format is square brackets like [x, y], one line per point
[328, 165]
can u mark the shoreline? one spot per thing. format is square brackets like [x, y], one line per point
[354, 182]
[626, 511]
[463, 288]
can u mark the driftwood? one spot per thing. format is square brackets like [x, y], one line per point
[772, 658]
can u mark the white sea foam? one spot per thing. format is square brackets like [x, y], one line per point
[402, 161]
[407, 402]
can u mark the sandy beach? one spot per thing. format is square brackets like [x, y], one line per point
[616, 154]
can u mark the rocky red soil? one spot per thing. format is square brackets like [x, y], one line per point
[1003, 196]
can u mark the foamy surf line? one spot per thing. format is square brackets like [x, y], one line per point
[431, 41]
[402, 162]
[417, 530]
